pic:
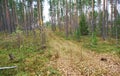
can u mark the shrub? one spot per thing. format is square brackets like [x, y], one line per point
[94, 38]
[83, 25]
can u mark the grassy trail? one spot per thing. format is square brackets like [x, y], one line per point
[73, 60]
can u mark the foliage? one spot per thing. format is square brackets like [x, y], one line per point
[30, 59]
[18, 29]
[116, 26]
[77, 34]
[94, 38]
[102, 46]
[118, 53]
[83, 27]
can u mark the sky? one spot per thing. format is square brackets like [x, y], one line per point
[46, 11]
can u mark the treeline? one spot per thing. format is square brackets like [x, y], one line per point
[21, 13]
[86, 17]
[24, 15]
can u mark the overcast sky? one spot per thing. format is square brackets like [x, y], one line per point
[46, 11]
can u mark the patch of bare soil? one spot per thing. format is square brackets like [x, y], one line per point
[73, 60]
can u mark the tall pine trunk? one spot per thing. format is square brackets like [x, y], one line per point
[66, 18]
[103, 25]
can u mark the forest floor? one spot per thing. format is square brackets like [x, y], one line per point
[60, 57]
[71, 59]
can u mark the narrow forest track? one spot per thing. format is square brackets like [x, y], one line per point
[73, 60]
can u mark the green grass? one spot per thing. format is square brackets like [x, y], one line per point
[108, 46]
[30, 59]
[101, 46]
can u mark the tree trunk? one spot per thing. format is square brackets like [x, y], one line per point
[103, 25]
[66, 19]
[7, 16]
[93, 25]
[107, 15]
[40, 18]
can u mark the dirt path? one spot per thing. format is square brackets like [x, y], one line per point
[73, 60]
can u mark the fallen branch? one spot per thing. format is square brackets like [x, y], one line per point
[12, 67]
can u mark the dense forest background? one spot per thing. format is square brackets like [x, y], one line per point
[30, 42]
[81, 17]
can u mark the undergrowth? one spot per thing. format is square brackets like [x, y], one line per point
[108, 46]
[30, 59]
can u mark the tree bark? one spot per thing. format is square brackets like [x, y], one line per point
[66, 19]
[103, 25]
